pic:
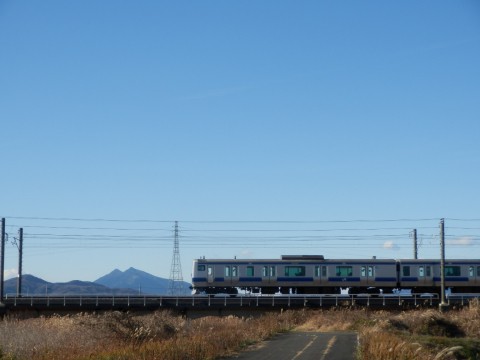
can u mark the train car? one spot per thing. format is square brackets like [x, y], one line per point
[292, 274]
[422, 275]
[227, 276]
[362, 275]
[313, 274]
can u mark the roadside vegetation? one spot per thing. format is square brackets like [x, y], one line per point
[115, 335]
[423, 334]
[415, 334]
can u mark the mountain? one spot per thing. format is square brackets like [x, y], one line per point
[128, 282]
[32, 285]
[141, 281]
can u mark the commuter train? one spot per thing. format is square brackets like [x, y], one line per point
[313, 274]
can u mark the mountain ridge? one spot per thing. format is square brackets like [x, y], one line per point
[129, 282]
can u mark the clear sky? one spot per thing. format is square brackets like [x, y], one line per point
[303, 115]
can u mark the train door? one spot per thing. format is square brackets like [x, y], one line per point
[477, 282]
[269, 274]
[320, 275]
[425, 275]
[320, 279]
[316, 275]
[269, 279]
[231, 274]
[473, 275]
[210, 276]
[367, 275]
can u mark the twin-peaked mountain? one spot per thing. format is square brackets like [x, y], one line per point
[130, 282]
[141, 281]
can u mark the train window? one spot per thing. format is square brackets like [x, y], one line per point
[324, 271]
[421, 271]
[273, 271]
[294, 270]
[406, 271]
[210, 270]
[344, 271]
[429, 271]
[452, 271]
[234, 271]
[201, 268]
[470, 271]
[478, 270]
[317, 271]
[370, 271]
[265, 271]
[227, 271]
[250, 271]
[363, 271]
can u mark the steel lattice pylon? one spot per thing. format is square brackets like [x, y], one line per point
[175, 286]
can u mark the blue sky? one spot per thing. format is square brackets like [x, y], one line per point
[313, 111]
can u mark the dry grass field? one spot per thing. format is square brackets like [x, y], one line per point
[416, 334]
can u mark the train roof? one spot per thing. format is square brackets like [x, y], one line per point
[437, 260]
[296, 258]
[303, 257]
[306, 258]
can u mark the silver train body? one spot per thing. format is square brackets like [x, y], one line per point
[312, 274]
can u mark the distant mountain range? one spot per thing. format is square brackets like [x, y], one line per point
[129, 282]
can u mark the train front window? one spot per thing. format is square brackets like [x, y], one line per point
[201, 267]
[344, 271]
[452, 270]
[294, 270]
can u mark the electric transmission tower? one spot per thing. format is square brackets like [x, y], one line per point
[175, 286]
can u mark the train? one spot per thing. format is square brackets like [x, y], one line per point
[313, 274]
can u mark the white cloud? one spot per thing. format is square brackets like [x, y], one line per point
[10, 273]
[463, 241]
[390, 245]
[246, 254]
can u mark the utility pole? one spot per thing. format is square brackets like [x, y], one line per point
[443, 306]
[415, 245]
[20, 260]
[176, 277]
[2, 258]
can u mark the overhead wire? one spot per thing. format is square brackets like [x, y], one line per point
[221, 221]
[196, 236]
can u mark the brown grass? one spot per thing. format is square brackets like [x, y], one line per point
[116, 335]
[417, 334]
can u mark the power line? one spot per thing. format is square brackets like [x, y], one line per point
[88, 219]
[229, 221]
[91, 228]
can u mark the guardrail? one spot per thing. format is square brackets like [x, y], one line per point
[461, 299]
[227, 301]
